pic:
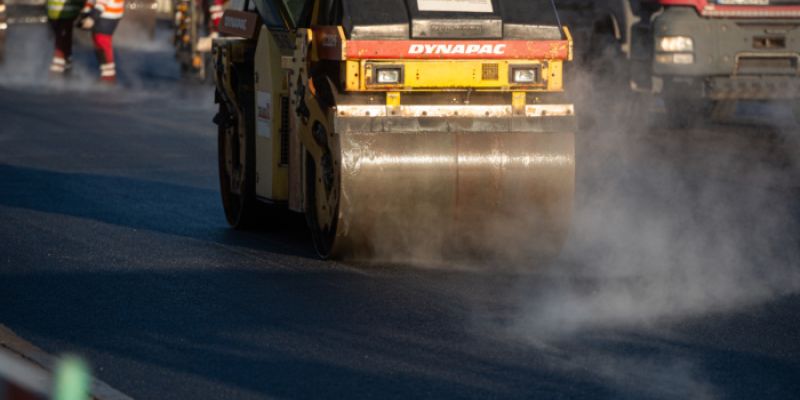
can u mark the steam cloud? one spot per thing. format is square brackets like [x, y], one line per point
[670, 226]
[143, 62]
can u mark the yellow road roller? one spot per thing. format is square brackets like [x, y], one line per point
[403, 129]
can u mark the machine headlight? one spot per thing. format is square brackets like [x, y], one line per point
[675, 44]
[388, 76]
[525, 75]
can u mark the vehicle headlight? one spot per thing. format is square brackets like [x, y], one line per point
[675, 44]
[675, 58]
[388, 76]
[525, 75]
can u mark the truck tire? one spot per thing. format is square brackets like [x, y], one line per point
[796, 111]
[612, 99]
[684, 112]
[2, 47]
[242, 209]
[323, 237]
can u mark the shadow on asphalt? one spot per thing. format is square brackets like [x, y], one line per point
[293, 335]
[333, 333]
[345, 335]
[139, 204]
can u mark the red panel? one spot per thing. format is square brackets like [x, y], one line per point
[239, 23]
[457, 49]
[751, 11]
[330, 42]
[698, 4]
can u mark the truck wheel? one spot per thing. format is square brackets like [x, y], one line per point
[323, 235]
[236, 171]
[796, 111]
[611, 94]
[684, 112]
[2, 47]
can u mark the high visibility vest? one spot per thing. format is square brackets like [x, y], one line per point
[110, 9]
[64, 9]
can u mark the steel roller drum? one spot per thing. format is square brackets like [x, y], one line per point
[432, 195]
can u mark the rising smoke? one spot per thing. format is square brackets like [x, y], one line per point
[144, 60]
[670, 226]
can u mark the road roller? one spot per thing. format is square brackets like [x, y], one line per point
[402, 129]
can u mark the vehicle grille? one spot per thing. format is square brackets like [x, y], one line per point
[752, 65]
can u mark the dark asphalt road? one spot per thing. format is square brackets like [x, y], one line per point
[680, 279]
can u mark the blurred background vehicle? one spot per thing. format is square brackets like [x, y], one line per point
[165, 10]
[196, 23]
[3, 28]
[25, 11]
[17, 12]
[698, 55]
[140, 15]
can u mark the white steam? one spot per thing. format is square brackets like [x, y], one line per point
[673, 224]
[144, 61]
[670, 227]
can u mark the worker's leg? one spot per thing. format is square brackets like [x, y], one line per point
[216, 8]
[62, 56]
[215, 11]
[103, 45]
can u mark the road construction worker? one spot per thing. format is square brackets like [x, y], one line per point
[215, 10]
[62, 15]
[212, 11]
[101, 17]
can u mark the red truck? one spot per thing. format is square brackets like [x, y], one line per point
[695, 53]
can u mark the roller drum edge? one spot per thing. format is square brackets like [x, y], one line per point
[418, 196]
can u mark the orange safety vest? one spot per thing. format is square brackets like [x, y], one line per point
[109, 9]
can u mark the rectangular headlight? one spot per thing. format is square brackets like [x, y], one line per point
[675, 44]
[388, 76]
[525, 75]
[681, 58]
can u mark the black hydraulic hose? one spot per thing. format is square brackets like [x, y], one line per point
[558, 17]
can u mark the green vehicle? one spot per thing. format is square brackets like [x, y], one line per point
[699, 53]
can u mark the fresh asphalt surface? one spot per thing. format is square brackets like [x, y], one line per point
[113, 245]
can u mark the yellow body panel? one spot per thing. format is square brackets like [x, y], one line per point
[441, 75]
[272, 177]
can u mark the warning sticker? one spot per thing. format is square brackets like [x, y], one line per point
[456, 5]
[264, 114]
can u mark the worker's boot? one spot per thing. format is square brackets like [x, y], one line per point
[60, 68]
[108, 73]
